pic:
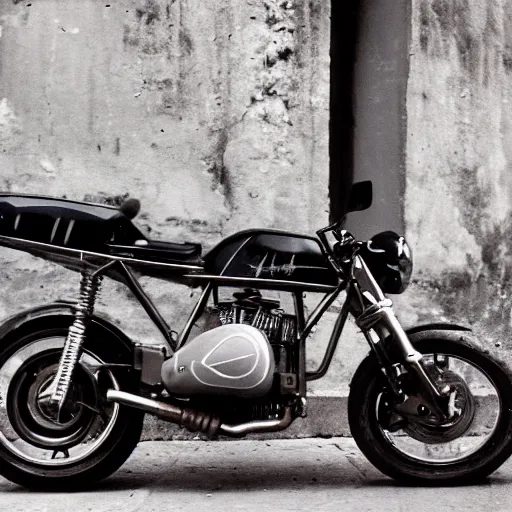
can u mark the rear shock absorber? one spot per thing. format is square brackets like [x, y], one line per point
[54, 396]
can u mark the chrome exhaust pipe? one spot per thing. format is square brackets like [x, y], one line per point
[195, 420]
[160, 409]
[253, 427]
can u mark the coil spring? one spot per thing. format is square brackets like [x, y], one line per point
[89, 288]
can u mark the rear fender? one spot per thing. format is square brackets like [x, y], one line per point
[60, 315]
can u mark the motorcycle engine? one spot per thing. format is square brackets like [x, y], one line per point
[246, 349]
[250, 308]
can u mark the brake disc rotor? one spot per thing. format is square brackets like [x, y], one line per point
[463, 402]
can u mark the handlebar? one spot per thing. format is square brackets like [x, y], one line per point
[338, 253]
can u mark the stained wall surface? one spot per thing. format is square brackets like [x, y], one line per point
[459, 149]
[215, 115]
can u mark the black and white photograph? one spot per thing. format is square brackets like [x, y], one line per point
[255, 255]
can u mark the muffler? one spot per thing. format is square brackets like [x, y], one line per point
[193, 420]
[198, 421]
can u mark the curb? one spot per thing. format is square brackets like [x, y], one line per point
[327, 417]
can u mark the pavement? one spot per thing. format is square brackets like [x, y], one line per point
[258, 475]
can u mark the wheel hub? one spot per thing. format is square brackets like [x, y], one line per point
[33, 422]
[462, 408]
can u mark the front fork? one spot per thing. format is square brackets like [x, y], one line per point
[377, 321]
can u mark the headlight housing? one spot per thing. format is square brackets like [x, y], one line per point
[389, 259]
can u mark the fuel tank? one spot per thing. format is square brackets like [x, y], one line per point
[272, 255]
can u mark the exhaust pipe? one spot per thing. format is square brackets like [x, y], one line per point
[193, 420]
[197, 421]
[258, 426]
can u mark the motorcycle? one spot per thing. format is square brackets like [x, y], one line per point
[429, 404]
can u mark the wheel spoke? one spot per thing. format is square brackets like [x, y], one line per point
[90, 407]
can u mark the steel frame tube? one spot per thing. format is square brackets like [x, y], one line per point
[333, 342]
[148, 305]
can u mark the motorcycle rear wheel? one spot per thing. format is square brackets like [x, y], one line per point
[463, 452]
[93, 438]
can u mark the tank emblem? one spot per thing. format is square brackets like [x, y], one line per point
[287, 269]
[224, 361]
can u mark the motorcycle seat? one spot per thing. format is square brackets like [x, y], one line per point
[162, 252]
[153, 250]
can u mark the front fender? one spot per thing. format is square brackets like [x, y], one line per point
[438, 326]
[422, 331]
[60, 315]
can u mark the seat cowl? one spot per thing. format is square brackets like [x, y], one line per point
[64, 223]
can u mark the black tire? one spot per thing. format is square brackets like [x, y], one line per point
[104, 457]
[368, 385]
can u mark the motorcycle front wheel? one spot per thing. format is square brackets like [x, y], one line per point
[92, 437]
[467, 448]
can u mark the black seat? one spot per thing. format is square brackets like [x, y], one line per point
[153, 250]
[161, 252]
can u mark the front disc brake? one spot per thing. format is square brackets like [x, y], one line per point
[418, 423]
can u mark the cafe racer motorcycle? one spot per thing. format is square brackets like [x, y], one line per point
[428, 404]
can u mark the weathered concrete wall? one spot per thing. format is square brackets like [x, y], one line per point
[459, 151]
[203, 112]
[214, 115]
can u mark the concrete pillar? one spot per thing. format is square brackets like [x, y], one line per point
[380, 87]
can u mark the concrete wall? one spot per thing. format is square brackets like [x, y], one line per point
[215, 115]
[459, 156]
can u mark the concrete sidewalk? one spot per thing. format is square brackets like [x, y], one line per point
[281, 475]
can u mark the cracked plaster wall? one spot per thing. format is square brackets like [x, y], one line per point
[214, 115]
[459, 157]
